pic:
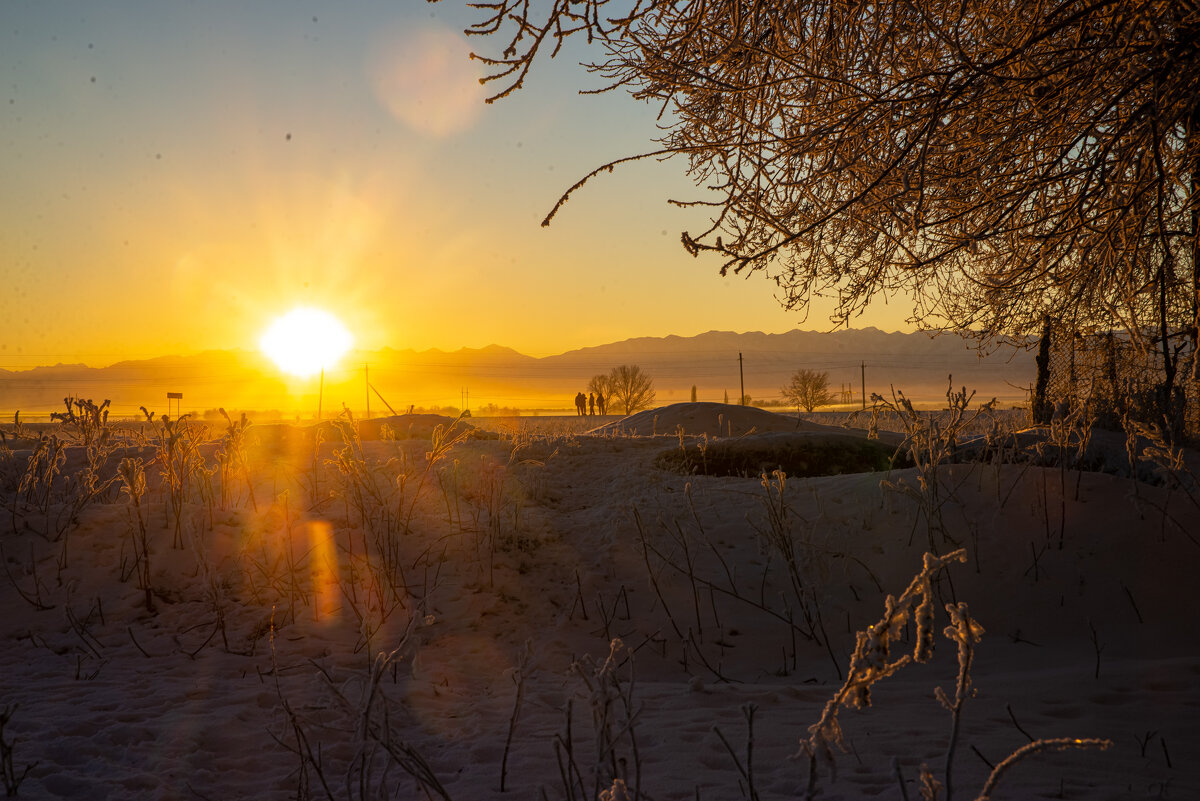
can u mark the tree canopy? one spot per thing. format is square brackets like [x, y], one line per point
[630, 388]
[1000, 162]
[808, 389]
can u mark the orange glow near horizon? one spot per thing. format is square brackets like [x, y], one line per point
[305, 341]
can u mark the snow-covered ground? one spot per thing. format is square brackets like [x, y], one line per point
[529, 615]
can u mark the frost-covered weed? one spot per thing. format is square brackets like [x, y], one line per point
[608, 691]
[232, 460]
[51, 494]
[930, 441]
[363, 739]
[790, 536]
[873, 661]
[179, 463]
[133, 484]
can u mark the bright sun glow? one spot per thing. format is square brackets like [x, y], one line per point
[305, 341]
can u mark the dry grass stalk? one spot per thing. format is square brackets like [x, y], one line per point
[231, 458]
[610, 688]
[133, 480]
[11, 777]
[931, 440]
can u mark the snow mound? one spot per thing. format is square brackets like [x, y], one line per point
[713, 419]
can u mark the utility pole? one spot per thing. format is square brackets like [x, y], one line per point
[385, 403]
[864, 384]
[367, 381]
[742, 378]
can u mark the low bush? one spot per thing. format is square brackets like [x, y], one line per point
[799, 455]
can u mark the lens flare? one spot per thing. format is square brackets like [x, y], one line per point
[323, 568]
[427, 80]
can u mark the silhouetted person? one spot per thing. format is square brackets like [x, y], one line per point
[591, 404]
[580, 400]
[600, 401]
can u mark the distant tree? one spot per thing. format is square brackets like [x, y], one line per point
[726, 397]
[631, 388]
[808, 390]
[693, 393]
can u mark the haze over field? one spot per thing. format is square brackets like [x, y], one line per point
[497, 376]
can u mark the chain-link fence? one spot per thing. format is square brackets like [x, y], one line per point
[1115, 377]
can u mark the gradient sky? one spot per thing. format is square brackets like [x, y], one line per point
[176, 174]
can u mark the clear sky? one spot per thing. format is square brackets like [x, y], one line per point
[176, 174]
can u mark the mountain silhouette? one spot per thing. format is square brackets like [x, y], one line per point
[499, 377]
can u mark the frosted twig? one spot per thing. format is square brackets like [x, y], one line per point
[1037, 746]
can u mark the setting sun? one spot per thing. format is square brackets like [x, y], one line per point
[305, 341]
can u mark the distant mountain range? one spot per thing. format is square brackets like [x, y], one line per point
[499, 377]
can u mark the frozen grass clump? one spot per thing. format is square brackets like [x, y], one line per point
[65, 471]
